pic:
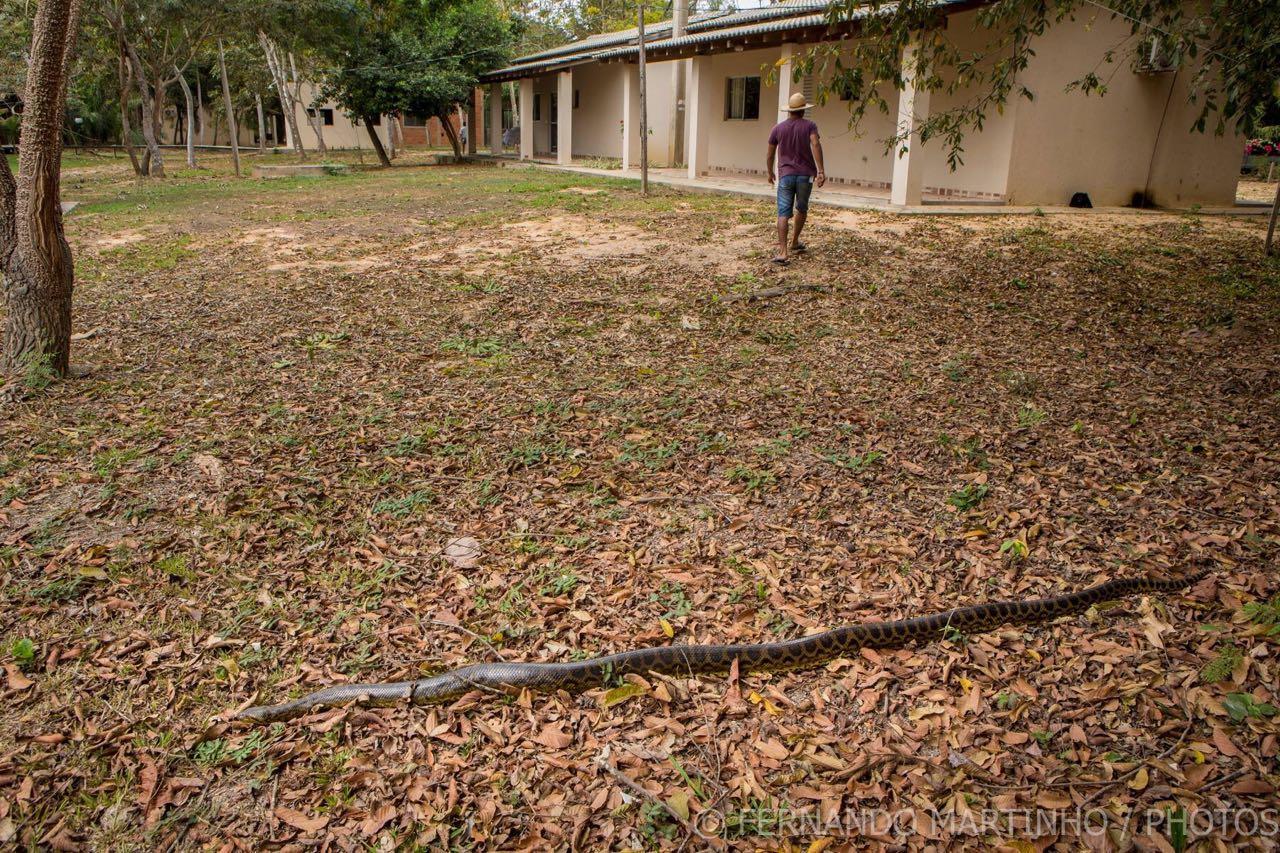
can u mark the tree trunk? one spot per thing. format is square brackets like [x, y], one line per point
[154, 161]
[287, 104]
[262, 127]
[231, 112]
[35, 260]
[191, 119]
[313, 115]
[377, 141]
[394, 136]
[199, 105]
[446, 124]
[125, 74]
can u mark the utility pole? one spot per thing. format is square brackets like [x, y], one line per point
[644, 115]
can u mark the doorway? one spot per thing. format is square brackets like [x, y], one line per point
[553, 123]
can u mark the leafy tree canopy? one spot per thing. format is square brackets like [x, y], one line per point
[415, 56]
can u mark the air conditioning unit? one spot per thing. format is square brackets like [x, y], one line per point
[1157, 57]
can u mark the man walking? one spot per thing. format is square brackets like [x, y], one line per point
[798, 150]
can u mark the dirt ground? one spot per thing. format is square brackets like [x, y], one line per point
[300, 391]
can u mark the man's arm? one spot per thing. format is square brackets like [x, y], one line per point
[816, 144]
[769, 158]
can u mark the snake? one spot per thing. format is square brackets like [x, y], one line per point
[795, 654]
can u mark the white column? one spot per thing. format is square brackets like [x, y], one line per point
[913, 107]
[785, 83]
[473, 121]
[630, 97]
[526, 118]
[495, 118]
[701, 113]
[564, 117]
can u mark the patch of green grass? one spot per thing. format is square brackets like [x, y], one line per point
[151, 256]
[970, 496]
[755, 479]
[856, 462]
[474, 347]
[1029, 415]
[176, 566]
[403, 507]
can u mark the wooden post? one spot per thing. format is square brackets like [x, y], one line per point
[1271, 226]
[644, 115]
[231, 113]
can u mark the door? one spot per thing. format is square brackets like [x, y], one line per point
[553, 123]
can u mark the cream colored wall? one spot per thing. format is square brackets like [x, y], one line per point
[597, 129]
[984, 166]
[1066, 142]
[341, 134]
[739, 145]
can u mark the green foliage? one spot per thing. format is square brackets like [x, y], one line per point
[1242, 706]
[1265, 614]
[968, 497]
[391, 56]
[1221, 667]
[24, 652]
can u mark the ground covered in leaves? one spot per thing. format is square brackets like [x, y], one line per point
[300, 392]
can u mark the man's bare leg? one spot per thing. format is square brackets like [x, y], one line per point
[801, 216]
[783, 223]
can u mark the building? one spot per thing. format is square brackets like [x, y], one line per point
[581, 101]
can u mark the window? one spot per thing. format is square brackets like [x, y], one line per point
[742, 98]
[411, 120]
[537, 108]
[326, 115]
[377, 121]
[575, 99]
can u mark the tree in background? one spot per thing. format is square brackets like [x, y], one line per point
[1229, 48]
[35, 260]
[414, 56]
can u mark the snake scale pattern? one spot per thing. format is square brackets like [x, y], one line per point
[799, 653]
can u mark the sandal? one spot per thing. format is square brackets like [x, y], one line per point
[799, 248]
[782, 262]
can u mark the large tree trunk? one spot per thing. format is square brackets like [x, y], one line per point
[35, 260]
[262, 127]
[377, 141]
[231, 112]
[191, 119]
[276, 66]
[446, 124]
[153, 163]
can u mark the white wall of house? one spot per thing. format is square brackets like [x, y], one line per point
[1066, 142]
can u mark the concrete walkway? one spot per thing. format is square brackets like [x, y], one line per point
[849, 198]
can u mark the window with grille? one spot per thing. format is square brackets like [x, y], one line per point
[537, 108]
[742, 98]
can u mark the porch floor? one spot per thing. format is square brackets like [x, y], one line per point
[853, 198]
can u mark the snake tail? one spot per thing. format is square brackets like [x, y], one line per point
[800, 653]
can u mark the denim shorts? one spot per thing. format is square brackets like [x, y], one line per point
[793, 191]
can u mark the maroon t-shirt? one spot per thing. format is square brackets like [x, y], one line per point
[795, 156]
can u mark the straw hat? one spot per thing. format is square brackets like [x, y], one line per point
[796, 103]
